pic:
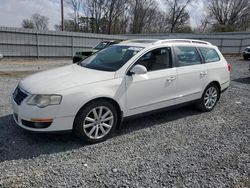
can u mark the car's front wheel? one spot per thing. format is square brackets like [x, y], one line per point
[209, 98]
[96, 121]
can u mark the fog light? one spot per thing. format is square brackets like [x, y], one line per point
[36, 120]
[37, 123]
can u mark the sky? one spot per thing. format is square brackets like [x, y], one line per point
[12, 12]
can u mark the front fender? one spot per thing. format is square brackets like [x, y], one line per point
[75, 98]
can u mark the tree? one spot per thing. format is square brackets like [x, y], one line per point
[114, 9]
[75, 5]
[37, 21]
[178, 16]
[40, 22]
[229, 15]
[155, 22]
[203, 25]
[184, 29]
[96, 10]
[141, 13]
[69, 25]
[28, 24]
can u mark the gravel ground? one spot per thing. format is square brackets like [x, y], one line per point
[178, 148]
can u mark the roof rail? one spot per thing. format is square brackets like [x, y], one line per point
[182, 40]
[141, 40]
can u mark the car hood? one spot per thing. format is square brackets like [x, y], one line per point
[58, 79]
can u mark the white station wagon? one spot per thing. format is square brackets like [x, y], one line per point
[133, 77]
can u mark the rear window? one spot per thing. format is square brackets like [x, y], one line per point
[210, 55]
[186, 56]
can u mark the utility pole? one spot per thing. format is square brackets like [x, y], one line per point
[62, 17]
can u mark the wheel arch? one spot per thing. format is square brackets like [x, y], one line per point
[217, 84]
[110, 100]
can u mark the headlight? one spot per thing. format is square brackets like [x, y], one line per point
[42, 101]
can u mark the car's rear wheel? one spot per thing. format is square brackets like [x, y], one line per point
[209, 98]
[96, 121]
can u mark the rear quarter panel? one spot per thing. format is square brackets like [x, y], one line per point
[218, 71]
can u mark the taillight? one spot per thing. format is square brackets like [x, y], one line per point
[229, 67]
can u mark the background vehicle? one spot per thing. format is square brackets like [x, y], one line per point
[246, 53]
[84, 54]
[123, 80]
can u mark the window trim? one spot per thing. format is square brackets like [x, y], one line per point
[198, 48]
[198, 52]
[149, 50]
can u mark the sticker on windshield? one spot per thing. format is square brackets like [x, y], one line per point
[135, 48]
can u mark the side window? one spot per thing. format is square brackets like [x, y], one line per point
[186, 56]
[209, 55]
[156, 59]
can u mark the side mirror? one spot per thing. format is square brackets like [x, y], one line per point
[138, 69]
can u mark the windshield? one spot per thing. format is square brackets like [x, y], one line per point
[111, 58]
[101, 45]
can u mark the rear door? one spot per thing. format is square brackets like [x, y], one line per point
[191, 74]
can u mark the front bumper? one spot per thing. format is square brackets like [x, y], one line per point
[37, 119]
[224, 86]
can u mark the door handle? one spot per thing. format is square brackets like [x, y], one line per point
[203, 73]
[170, 79]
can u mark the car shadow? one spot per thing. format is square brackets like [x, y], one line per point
[245, 80]
[156, 118]
[16, 143]
[242, 59]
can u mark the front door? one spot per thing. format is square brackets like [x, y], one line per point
[155, 89]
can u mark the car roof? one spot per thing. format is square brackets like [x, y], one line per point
[151, 42]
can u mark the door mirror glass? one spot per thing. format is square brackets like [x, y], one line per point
[138, 69]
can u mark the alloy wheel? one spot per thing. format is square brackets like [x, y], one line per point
[210, 97]
[98, 122]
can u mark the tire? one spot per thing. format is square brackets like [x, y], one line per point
[89, 127]
[245, 58]
[212, 94]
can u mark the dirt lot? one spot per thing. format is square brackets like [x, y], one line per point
[178, 148]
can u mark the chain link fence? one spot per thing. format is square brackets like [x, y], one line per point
[15, 42]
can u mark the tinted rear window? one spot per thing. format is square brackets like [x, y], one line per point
[210, 55]
[186, 56]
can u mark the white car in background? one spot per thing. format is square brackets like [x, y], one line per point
[133, 77]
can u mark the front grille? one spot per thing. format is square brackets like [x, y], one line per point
[19, 95]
